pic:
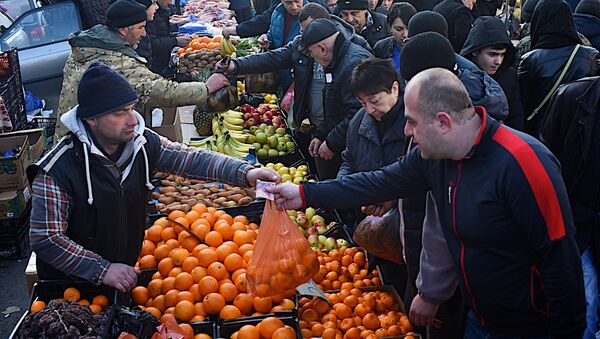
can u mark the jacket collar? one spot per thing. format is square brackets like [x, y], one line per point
[590, 99]
[487, 129]
[340, 47]
[368, 128]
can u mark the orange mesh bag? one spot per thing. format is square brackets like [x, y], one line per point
[282, 257]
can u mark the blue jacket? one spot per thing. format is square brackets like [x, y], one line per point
[589, 26]
[484, 91]
[505, 214]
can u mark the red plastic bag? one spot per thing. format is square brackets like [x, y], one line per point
[380, 236]
[282, 259]
[288, 99]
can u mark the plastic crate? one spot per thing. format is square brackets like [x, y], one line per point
[9, 64]
[49, 126]
[14, 236]
[205, 327]
[227, 328]
[11, 91]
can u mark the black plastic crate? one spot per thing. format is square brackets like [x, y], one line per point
[229, 327]
[205, 327]
[12, 95]
[14, 236]
[11, 226]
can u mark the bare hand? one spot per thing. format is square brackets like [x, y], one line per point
[230, 67]
[422, 312]
[216, 82]
[120, 276]
[228, 31]
[264, 174]
[263, 41]
[287, 196]
[325, 152]
[183, 40]
[380, 209]
[313, 147]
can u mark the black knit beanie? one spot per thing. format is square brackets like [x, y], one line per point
[352, 4]
[124, 13]
[427, 21]
[101, 91]
[591, 7]
[424, 51]
[527, 10]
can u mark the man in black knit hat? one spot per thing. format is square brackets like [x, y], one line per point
[370, 25]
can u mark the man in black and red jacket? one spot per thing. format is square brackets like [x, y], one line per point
[502, 205]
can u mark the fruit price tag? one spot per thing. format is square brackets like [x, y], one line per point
[311, 289]
[261, 189]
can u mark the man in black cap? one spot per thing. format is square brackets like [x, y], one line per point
[338, 57]
[114, 44]
[371, 25]
[90, 191]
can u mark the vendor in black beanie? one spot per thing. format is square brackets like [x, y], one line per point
[128, 17]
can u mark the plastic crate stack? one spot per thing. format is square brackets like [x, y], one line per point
[14, 236]
[11, 89]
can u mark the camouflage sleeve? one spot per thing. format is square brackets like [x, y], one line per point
[155, 90]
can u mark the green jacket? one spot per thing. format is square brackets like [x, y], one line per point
[100, 43]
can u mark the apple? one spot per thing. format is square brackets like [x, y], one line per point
[261, 138]
[330, 243]
[318, 223]
[292, 213]
[267, 121]
[302, 220]
[322, 239]
[310, 212]
[321, 230]
[255, 116]
[247, 115]
[313, 240]
[318, 217]
[272, 140]
[278, 121]
[311, 230]
[269, 114]
[342, 242]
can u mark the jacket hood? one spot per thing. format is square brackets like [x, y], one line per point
[77, 127]
[345, 28]
[102, 37]
[485, 91]
[552, 26]
[489, 31]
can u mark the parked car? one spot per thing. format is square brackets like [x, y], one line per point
[40, 35]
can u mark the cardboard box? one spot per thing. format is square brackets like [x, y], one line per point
[12, 169]
[37, 141]
[13, 203]
[171, 126]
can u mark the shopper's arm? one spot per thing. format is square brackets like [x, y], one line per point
[280, 58]
[255, 26]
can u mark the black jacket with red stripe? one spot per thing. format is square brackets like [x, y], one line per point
[505, 214]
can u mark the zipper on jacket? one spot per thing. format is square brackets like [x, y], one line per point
[452, 192]
[121, 218]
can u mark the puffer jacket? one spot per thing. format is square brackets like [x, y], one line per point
[485, 91]
[384, 49]
[459, 19]
[161, 42]
[539, 70]
[103, 44]
[589, 26]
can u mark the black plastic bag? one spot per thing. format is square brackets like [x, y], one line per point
[137, 322]
[261, 83]
[252, 99]
[227, 97]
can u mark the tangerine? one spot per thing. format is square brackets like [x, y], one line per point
[230, 312]
[214, 239]
[72, 294]
[217, 270]
[184, 310]
[213, 303]
[37, 306]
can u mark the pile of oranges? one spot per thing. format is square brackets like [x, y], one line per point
[98, 304]
[268, 328]
[199, 43]
[195, 280]
[355, 314]
[344, 267]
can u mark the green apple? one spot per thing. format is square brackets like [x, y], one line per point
[273, 153]
[261, 137]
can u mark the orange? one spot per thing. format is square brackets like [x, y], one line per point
[165, 266]
[37, 306]
[189, 264]
[285, 332]
[175, 271]
[199, 309]
[353, 333]
[202, 45]
[184, 310]
[197, 249]
[200, 208]
[207, 256]
[208, 216]
[147, 248]
[171, 298]
[370, 321]
[361, 310]
[208, 284]
[347, 324]
[244, 302]
[192, 216]
[217, 270]
[238, 226]
[329, 333]
[248, 332]
[237, 273]
[153, 233]
[317, 330]
[154, 289]
[168, 284]
[166, 316]
[223, 251]
[154, 311]
[185, 295]
[168, 233]
[211, 210]
[188, 242]
[230, 312]
[178, 255]
[147, 261]
[262, 305]
[202, 336]
[310, 315]
[198, 273]
[161, 252]
[195, 290]
[351, 301]
[228, 291]
[159, 302]
[176, 214]
[100, 300]
[200, 228]
[240, 282]
[95, 308]
[187, 330]
[242, 237]
[213, 238]
[394, 330]
[225, 229]
[213, 303]
[287, 304]
[233, 262]
[84, 302]
[268, 326]
[342, 311]
[172, 243]
[245, 248]
[241, 218]
[72, 294]
[183, 221]
[226, 217]
[163, 222]
[184, 281]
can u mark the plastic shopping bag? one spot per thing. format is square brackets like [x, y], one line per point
[282, 257]
[380, 236]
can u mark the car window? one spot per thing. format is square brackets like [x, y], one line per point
[16, 7]
[48, 24]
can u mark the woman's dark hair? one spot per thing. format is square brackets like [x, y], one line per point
[402, 10]
[372, 76]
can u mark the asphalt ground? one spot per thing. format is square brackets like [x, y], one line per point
[13, 293]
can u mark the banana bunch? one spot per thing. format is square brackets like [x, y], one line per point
[227, 48]
[228, 145]
[230, 120]
[209, 143]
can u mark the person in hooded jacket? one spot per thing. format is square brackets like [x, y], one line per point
[489, 47]
[587, 21]
[554, 41]
[90, 191]
[459, 19]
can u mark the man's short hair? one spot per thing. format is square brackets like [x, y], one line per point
[372, 76]
[442, 91]
[314, 11]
